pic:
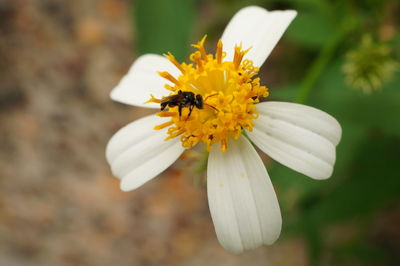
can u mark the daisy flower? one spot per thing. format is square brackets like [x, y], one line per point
[223, 110]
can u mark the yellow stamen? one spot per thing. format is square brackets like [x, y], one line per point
[197, 59]
[239, 53]
[200, 47]
[164, 125]
[153, 99]
[169, 87]
[169, 77]
[175, 134]
[228, 89]
[219, 52]
[167, 114]
[224, 145]
[171, 58]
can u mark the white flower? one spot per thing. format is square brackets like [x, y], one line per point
[242, 201]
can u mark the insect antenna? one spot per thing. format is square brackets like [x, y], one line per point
[211, 107]
[210, 96]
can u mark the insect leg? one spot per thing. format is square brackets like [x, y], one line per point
[180, 111]
[190, 112]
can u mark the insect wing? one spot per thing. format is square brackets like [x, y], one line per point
[172, 98]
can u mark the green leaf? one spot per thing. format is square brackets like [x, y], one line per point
[163, 26]
[379, 111]
[362, 250]
[371, 183]
[291, 187]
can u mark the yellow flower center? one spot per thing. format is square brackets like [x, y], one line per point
[228, 91]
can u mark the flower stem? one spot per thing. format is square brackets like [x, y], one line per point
[320, 63]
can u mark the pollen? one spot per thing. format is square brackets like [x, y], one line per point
[229, 90]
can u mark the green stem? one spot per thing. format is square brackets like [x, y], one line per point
[320, 64]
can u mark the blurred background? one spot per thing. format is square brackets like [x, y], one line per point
[60, 205]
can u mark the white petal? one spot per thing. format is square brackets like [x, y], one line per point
[138, 153]
[142, 80]
[301, 137]
[242, 200]
[257, 28]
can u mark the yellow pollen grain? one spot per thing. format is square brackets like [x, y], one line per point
[229, 91]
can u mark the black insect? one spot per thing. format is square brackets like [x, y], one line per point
[184, 99]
